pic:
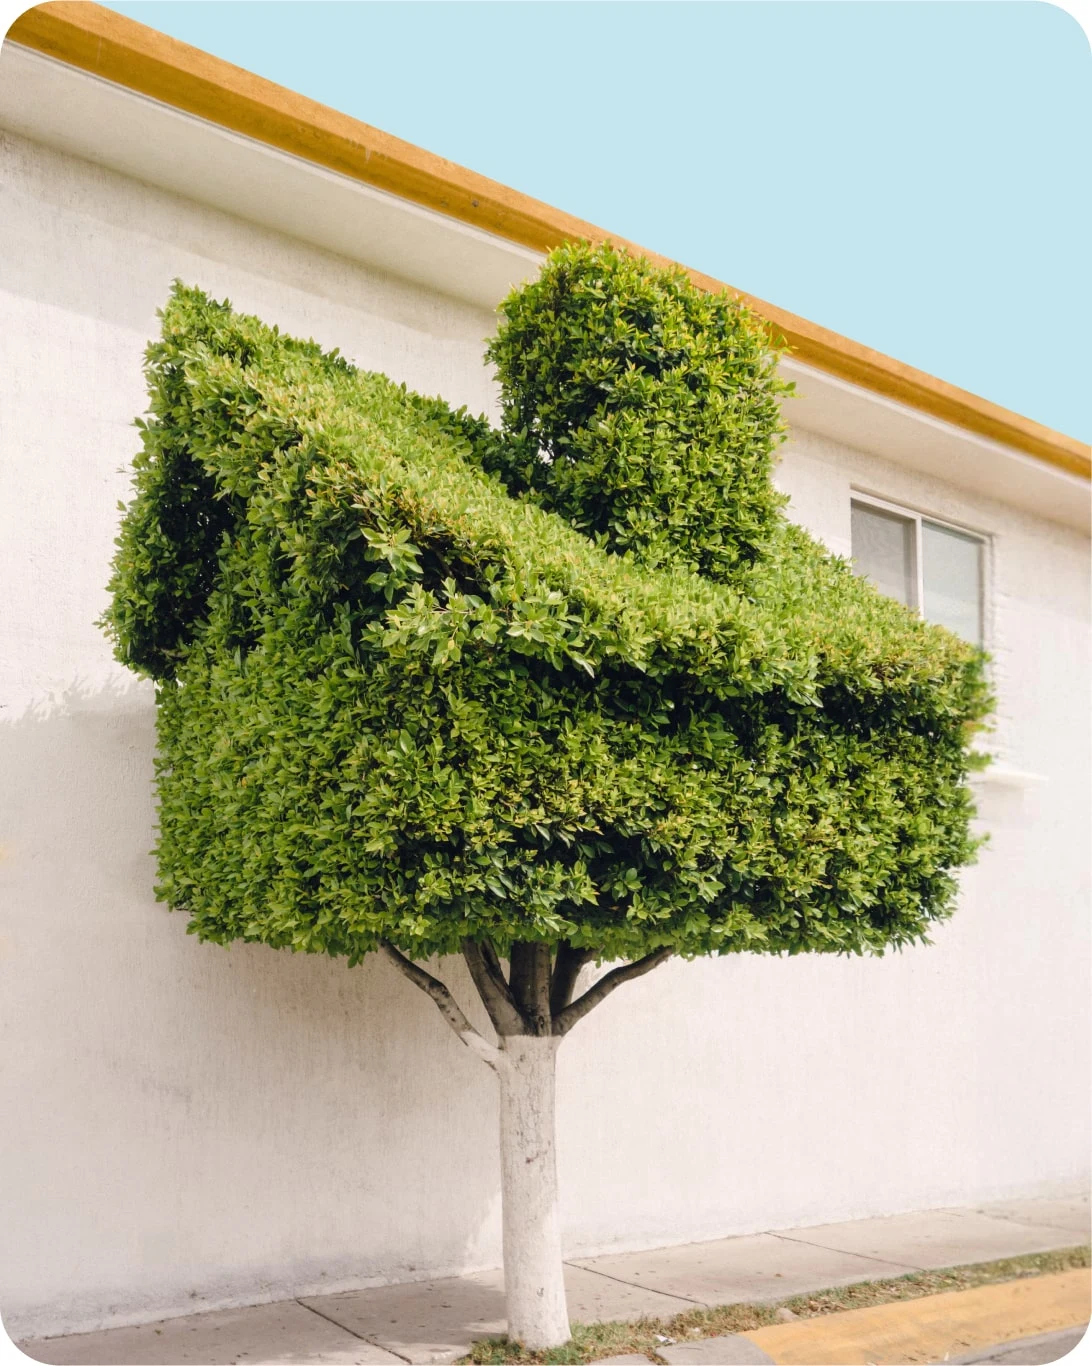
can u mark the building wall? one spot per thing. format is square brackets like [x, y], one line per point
[190, 1127]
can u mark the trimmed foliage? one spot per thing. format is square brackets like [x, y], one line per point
[654, 404]
[397, 701]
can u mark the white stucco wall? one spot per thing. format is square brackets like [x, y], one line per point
[186, 1126]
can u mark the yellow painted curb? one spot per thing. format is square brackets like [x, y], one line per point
[933, 1327]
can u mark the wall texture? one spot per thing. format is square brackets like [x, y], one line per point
[187, 1126]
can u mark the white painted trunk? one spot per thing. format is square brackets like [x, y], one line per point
[534, 1285]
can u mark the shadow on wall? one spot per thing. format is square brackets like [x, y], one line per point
[123, 241]
[194, 1127]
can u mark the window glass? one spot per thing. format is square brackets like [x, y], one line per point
[883, 548]
[951, 571]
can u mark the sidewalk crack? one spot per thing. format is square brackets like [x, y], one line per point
[360, 1337]
[864, 1256]
[637, 1285]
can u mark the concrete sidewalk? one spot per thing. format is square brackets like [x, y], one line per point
[435, 1321]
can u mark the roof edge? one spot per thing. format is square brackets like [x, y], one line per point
[118, 49]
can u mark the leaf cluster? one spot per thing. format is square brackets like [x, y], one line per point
[397, 700]
[642, 409]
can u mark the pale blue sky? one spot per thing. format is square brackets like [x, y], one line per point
[913, 175]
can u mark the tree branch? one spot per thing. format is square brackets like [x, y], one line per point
[493, 989]
[529, 982]
[567, 968]
[603, 988]
[445, 1003]
[492, 962]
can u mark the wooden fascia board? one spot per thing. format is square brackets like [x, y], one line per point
[106, 44]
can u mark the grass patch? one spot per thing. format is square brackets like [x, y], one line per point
[591, 1341]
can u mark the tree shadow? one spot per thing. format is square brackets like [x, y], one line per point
[190, 1126]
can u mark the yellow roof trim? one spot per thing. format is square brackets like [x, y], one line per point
[118, 49]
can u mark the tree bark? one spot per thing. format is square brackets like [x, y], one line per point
[565, 1019]
[529, 979]
[486, 973]
[531, 1011]
[533, 1273]
[445, 1003]
[567, 969]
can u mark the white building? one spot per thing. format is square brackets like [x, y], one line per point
[188, 1127]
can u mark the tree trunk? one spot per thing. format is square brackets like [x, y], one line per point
[531, 1011]
[534, 1283]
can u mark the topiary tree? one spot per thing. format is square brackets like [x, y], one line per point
[565, 693]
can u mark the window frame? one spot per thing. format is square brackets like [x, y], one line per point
[918, 517]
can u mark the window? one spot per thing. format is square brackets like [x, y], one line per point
[933, 568]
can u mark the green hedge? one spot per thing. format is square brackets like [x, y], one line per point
[398, 700]
[654, 404]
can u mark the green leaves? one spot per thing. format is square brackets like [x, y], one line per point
[400, 557]
[641, 409]
[416, 683]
